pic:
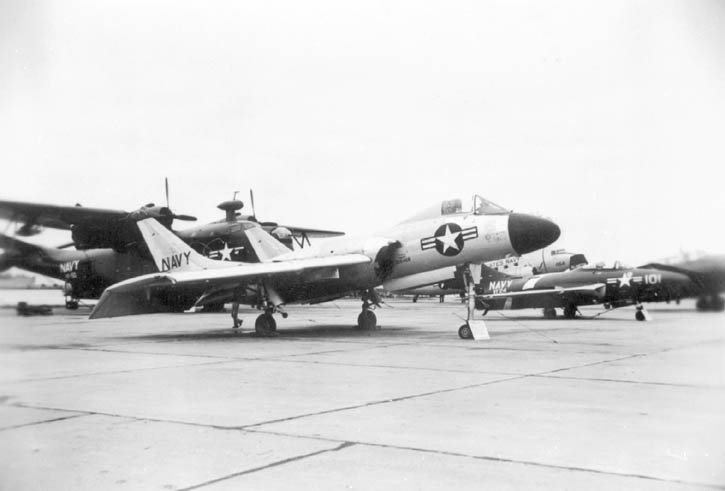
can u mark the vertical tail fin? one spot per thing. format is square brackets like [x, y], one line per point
[170, 253]
[265, 246]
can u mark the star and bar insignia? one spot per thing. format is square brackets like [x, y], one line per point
[448, 239]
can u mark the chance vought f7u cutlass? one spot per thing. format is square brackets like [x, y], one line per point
[418, 251]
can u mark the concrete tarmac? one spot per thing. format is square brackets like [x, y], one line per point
[182, 401]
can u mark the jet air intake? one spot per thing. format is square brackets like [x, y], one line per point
[529, 233]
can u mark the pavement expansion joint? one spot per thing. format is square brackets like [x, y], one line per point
[129, 370]
[380, 402]
[391, 367]
[635, 382]
[268, 466]
[491, 458]
[42, 422]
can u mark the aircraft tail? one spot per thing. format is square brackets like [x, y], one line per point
[490, 274]
[170, 253]
[265, 246]
[31, 257]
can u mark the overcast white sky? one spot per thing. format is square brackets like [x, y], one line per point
[609, 117]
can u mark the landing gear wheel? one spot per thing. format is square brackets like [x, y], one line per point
[550, 313]
[639, 315]
[703, 304]
[717, 304]
[367, 320]
[465, 332]
[71, 304]
[265, 325]
[570, 311]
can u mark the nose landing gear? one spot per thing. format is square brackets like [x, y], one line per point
[71, 301]
[477, 326]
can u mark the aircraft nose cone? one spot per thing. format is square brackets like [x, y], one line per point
[529, 233]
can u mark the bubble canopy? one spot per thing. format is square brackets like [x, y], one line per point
[458, 206]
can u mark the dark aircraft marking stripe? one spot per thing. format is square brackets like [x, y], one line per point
[470, 233]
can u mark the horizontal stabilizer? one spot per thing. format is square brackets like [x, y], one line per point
[131, 297]
[11, 244]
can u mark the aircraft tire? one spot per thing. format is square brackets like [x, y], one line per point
[71, 305]
[366, 320]
[265, 324]
[550, 313]
[702, 304]
[570, 311]
[639, 315]
[717, 304]
[464, 332]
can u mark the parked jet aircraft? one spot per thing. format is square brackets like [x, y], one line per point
[415, 252]
[546, 260]
[613, 287]
[708, 273]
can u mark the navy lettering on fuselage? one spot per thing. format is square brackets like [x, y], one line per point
[69, 266]
[175, 261]
[69, 269]
[501, 286]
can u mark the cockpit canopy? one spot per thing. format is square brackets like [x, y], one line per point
[617, 265]
[477, 206]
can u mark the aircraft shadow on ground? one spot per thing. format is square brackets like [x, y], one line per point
[558, 320]
[311, 332]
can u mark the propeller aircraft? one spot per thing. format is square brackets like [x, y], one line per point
[109, 247]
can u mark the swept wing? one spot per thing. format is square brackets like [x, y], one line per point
[187, 276]
[595, 290]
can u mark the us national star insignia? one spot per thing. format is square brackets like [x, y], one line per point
[448, 239]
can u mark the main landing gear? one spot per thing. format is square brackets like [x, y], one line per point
[367, 319]
[265, 325]
[570, 311]
[550, 313]
[712, 302]
[641, 313]
[270, 302]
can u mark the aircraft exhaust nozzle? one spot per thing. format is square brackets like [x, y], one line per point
[529, 233]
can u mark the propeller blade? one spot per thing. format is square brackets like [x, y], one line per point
[251, 200]
[166, 182]
[185, 218]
